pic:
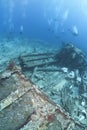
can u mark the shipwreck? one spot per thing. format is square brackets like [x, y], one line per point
[45, 91]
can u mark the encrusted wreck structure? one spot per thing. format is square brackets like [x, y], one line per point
[46, 92]
[71, 57]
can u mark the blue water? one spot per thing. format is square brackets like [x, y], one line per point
[47, 20]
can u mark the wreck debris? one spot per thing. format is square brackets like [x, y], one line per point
[64, 69]
[31, 61]
[71, 75]
[78, 81]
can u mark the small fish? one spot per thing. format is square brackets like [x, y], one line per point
[65, 15]
[74, 30]
[50, 21]
[21, 29]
